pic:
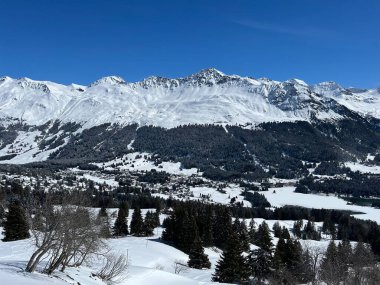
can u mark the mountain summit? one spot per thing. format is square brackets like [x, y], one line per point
[206, 97]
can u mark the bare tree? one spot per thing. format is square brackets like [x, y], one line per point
[180, 266]
[67, 235]
[114, 269]
[316, 254]
[364, 269]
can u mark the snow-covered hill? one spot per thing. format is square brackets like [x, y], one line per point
[209, 96]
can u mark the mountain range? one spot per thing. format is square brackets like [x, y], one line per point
[208, 120]
[207, 97]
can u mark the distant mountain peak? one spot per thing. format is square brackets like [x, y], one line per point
[210, 72]
[4, 78]
[297, 81]
[206, 75]
[27, 83]
[206, 97]
[108, 80]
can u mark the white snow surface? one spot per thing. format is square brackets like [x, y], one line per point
[150, 262]
[282, 196]
[26, 148]
[137, 161]
[209, 96]
[354, 166]
[363, 101]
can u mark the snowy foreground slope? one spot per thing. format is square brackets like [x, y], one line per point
[151, 262]
[209, 96]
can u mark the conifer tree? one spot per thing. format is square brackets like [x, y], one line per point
[252, 231]
[328, 269]
[137, 223]
[104, 223]
[197, 258]
[149, 223]
[285, 233]
[277, 230]
[328, 226]
[169, 225]
[306, 272]
[187, 233]
[222, 226]
[156, 216]
[232, 267]
[102, 213]
[242, 232]
[16, 226]
[363, 262]
[259, 262]
[207, 234]
[297, 228]
[263, 238]
[294, 257]
[344, 256]
[121, 227]
[280, 254]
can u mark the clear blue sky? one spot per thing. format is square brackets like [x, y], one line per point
[80, 41]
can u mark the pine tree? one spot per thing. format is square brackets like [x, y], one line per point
[197, 258]
[285, 233]
[169, 225]
[156, 216]
[231, 268]
[207, 234]
[242, 232]
[294, 257]
[297, 228]
[328, 269]
[306, 274]
[328, 226]
[102, 213]
[149, 223]
[277, 230]
[16, 226]
[280, 254]
[187, 232]
[121, 227]
[344, 256]
[103, 220]
[263, 238]
[252, 231]
[259, 262]
[222, 226]
[137, 224]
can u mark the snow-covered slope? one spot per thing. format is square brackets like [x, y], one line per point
[209, 96]
[363, 101]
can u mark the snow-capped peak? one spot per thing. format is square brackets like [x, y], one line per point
[4, 78]
[328, 88]
[206, 76]
[297, 81]
[27, 83]
[108, 80]
[206, 97]
[209, 73]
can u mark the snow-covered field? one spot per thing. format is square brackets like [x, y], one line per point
[231, 191]
[137, 161]
[354, 166]
[151, 262]
[286, 196]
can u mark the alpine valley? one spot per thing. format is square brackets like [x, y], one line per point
[202, 179]
[226, 126]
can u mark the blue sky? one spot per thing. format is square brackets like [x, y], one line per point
[81, 41]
